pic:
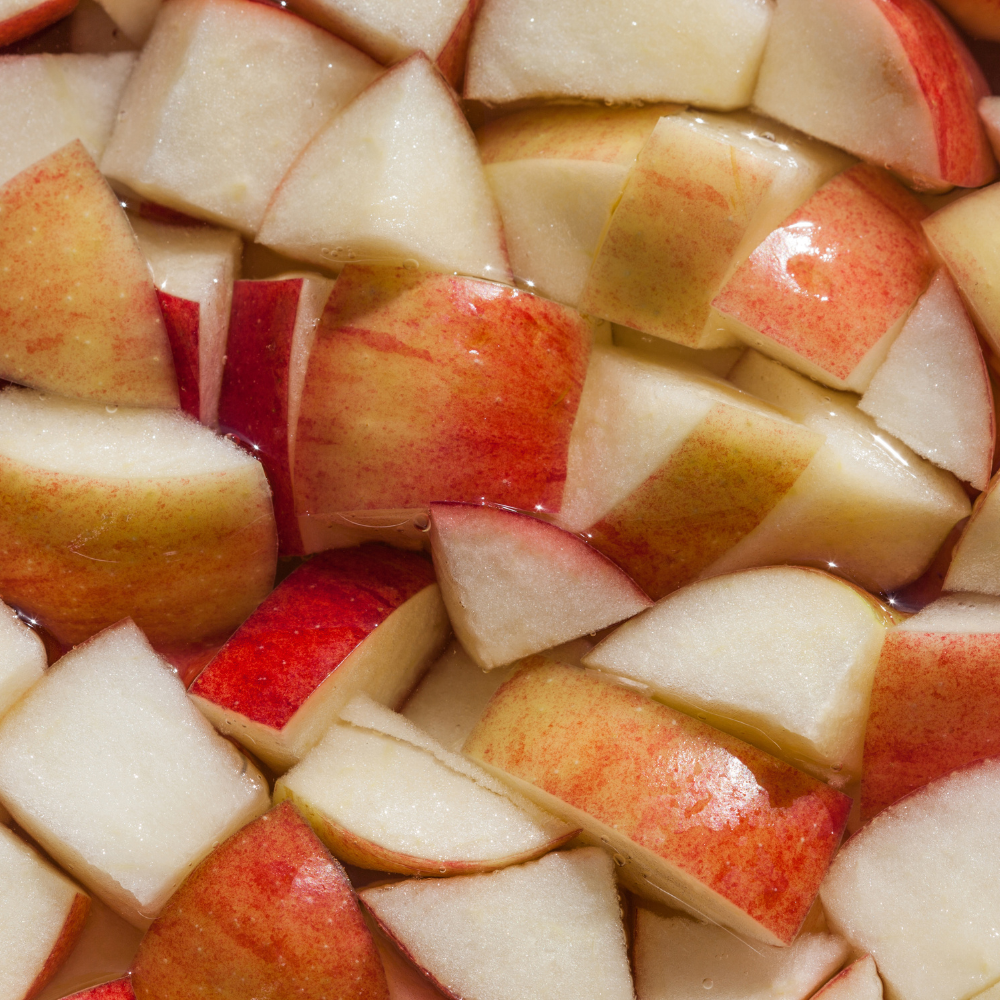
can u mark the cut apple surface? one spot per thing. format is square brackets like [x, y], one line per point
[859, 981]
[699, 818]
[974, 567]
[22, 657]
[514, 585]
[394, 178]
[782, 657]
[548, 929]
[133, 787]
[383, 795]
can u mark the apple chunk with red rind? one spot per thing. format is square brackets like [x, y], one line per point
[366, 619]
[78, 309]
[129, 512]
[699, 817]
[422, 386]
[117, 989]
[182, 321]
[133, 787]
[859, 981]
[21, 18]
[268, 913]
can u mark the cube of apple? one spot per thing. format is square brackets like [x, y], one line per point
[366, 620]
[20, 18]
[41, 915]
[22, 658]
[699, 818]
[224, 97]
[128, 512]
[395, 177]
[549, 929]
[80, 311]
[133, 787]
[267, 913]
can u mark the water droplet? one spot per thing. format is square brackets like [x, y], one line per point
[443, 871]
[620, 861]
[410, 264]
[604, 840]
[422, 522]
[351, 255]
[707, 983]
[826, 399]
[111, 409]
[769, 136]
[836, 767]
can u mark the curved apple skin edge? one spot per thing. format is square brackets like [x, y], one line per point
[72, 928]
[364, 853]
[406, 981]
[33, 19]
[117, 989]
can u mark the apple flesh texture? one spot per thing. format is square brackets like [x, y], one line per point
[50, 100]
[669, 467]
[933, 389]
[197, 264]
[549, 929]
[974, 566]
[21, 18]
[368, 619]
[395, 177]
[514, 585]
[866, 506]
[677, 958]
[272, 325]
[422, 386]
[117, 989]
[41, 916]
[267, 913]
[224, 97]
[828, 291]
[405, 981]
[78, 309]
[22, 658]
[133, 787]
[699, 53]
[383, 795]
[715, 824]
[934, 700]
[180, 536]
[916, 888]
[782, 657]
[557, 174]
[859, 981]
[889, 82]
[705, 190]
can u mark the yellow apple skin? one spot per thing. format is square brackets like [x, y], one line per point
[78, 310]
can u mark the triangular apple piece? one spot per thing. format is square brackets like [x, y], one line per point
[975, 563]
[396, 177]
[514, 585]
[859, 981]
[549, 929]
[269, 913]
[78, 310]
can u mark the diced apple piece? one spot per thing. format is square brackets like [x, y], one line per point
[352, 620]
[41, 916]
[698, 817]
[394, 178]
[199, 265]
[514, 585]
[21, 18]
[828, 291]
[866, 507]
[22, 658]
[422, 386]
[859, 981]
[133, 787]
[383, 795]
[677, 958]
[78, 308]
[127, 512]
[224, 97]
[267, 913]
[782, 657]
[916, 888]
[117, 989]
[890, 82]
[705, 53]
[668, 467]
[50, 100]
[182, 321]
[705, 190]
[974, 567]
[933, 389]
[549, 929]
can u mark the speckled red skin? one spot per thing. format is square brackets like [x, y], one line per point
[71, 929]
[117, 989]
[253, 403]
[306, 628]
[934, 708]
[427, 387]
[750, 827]
[270, 913]
[13, 29]
[182, 318]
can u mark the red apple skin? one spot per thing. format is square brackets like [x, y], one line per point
[665, 781]
[306, 628]
[269, 913]
[935, 702]
[425, 387]
[117, 989]
[71, 930]
[34, 19]
[182, 318]
[451, 59]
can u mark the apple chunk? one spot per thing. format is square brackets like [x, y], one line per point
[133, 787]
[859, 981]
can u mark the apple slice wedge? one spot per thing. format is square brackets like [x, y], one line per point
[974, 567]
[549, 929]
[859, 981]
[383, 795]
